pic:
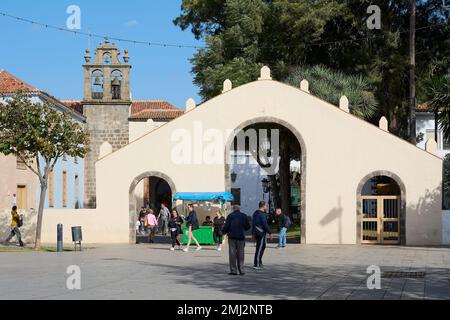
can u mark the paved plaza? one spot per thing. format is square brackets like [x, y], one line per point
[298, 272]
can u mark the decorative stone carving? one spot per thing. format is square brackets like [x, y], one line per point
[431, 146]
[105, 149]
[383, 124]
[304, 85]
[343, 104]
[265, 73]
[190, 104]
[227, 85]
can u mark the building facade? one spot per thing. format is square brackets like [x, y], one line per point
[358, 195]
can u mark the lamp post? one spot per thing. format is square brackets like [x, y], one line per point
[266, 189]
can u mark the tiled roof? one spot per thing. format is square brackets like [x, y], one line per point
[153, 109]
[11, 84]
[157, 114]
[75, 105]
[140, 105]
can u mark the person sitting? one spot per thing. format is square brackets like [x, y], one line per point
[207, 222]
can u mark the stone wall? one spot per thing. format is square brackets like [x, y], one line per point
[105, 123]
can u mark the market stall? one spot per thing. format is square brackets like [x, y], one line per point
[205, 204]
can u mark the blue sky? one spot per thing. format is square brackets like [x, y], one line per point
[51, 60]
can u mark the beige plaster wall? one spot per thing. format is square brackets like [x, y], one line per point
[10, 178]
[340, 150]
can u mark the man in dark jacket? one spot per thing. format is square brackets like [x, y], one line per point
[235, 226]
[260, 230]
[283, 223]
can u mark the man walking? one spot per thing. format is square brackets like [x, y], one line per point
[260, 230]
[283, 223]
[15, 225]
[163, 219]
[235, 226]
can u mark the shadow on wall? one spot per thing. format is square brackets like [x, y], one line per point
[28, 230]
[427, 211]
[335, 214]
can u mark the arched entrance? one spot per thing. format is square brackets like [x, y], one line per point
[381, 209]
[265, 159]
[155, 188]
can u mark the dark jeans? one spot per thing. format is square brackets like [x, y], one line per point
[236, 255]
[163, 225]
[15, 232]
[174, 236]
[217, 236]
[260, 247]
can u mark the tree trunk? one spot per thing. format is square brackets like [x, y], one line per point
[37, 245]
[412, 80]
[285, 177]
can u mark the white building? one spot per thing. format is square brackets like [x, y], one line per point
[426, 129]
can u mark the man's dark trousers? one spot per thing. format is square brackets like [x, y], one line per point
[260, 247]
[236, 255]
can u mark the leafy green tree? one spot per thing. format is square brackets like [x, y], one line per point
[39, 135]
[331, 85]
[243, 35]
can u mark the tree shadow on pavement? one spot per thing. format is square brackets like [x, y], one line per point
[290, 281]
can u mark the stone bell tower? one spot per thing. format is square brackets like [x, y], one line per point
[106, 105]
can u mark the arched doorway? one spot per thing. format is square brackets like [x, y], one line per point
[149, 190]
[381, 209]
[265, 159]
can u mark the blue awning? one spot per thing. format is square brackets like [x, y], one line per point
[221, 197]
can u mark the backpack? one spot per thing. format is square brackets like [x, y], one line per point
[20, 221]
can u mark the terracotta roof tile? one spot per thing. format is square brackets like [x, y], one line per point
[12, 84]
[140, 105]
[157, 114]
[75, 105]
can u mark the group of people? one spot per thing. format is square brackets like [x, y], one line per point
[234, 226]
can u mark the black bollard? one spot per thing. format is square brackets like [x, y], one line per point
[59, 242]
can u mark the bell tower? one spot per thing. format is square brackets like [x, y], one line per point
[106, 106]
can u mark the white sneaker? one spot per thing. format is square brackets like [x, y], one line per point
[186, 250]
[172, 249]
[219, 248]
[198, 249]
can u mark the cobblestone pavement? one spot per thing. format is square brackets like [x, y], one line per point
[298, 272]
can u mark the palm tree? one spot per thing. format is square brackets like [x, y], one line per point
[439, 101]
[331, 85]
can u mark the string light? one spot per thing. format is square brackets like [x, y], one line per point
[174, 45]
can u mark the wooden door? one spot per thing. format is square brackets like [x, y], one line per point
[380, 219]
[22, 197]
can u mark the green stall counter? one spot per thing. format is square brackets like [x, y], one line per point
[204, 235]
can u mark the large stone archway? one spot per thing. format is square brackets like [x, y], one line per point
[300, 140]
[402, 187]
[132, 202]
